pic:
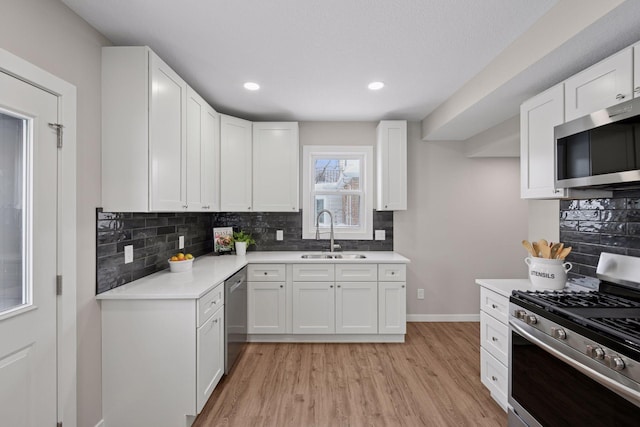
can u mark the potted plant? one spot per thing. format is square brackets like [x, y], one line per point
[241, 241]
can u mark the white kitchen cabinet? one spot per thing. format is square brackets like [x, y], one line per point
[236, 164]
[143, 132]
[161, 358]
[313, 307]
[392, 308]
[202, 154]
[538, 116]
[636, 70]
[276, 162]
[210, 357]
[602, 85]
[356, 308]
[391, 165]
[266, 299]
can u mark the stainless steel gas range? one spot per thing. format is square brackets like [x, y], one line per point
[575, 355]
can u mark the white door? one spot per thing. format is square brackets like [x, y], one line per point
[28, 196]
[313, 308]
[266, 307]
[356, 307]
[235, 164]
[392, 308]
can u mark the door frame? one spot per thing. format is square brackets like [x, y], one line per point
[66, 228]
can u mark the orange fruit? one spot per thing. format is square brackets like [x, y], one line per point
[180, 256]
[174, 258]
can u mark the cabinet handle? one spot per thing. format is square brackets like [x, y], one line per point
[494, 306]
[620, 96]
[493, 378]
[637, 89]
[494, 339]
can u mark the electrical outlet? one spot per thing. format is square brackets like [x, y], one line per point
[380, 235]
[181, 242]
[128, 254]
[279, 235]
[420, 293]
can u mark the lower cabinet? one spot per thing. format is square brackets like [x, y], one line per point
[294, 301]
[161, 358]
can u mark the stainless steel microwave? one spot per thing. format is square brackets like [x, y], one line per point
[600, 150]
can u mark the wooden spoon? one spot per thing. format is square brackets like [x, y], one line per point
[554, 250]
[528, 247]
[536, 249]
[564, 253]
[546, 251]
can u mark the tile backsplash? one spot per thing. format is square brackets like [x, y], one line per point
[593, 226]
[154, 237]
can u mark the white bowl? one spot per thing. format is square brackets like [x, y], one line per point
[180, 266]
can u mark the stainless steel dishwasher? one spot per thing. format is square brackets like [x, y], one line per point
[235, 317]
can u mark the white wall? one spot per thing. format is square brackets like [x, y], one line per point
[465, 220]
[49, 35]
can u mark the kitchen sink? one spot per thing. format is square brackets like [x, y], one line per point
[333, 256]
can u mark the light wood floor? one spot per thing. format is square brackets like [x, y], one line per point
[433, 379]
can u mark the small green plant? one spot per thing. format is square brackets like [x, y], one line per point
[241, 236]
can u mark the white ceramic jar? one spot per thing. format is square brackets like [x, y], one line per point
[548, 273]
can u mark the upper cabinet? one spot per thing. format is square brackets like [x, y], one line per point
[538, 116]
[391, 165]
[276, 161]
[149, 162]
[235, 167]
[606, 83]
[203, 155]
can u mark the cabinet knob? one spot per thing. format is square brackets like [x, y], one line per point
[385, 206]
[339, 285]
[494, 378]
[331, 286]
[393, 273]
[215, 320]
[249, 208]
[265, 273]
[185, 206]
[620, 96]
[402, 286]
[637, 89]
[494, 339]
[293, 208]
[494, 306]
[282, 286]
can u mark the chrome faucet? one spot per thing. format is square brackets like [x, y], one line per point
[333, 246]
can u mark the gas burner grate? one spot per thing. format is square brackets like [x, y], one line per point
[625, 328]
[578, 299]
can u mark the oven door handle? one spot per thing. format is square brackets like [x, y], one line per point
[626, 392]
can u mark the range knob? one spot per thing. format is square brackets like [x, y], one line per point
[519, 314]
[558, 333]
[595, 352]
[614, 362]
[531, 319]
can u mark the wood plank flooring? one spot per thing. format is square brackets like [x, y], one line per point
[433, 379]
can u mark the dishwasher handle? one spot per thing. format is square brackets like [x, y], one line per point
[235, 286]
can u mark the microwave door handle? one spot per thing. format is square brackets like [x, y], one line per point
[626, 392]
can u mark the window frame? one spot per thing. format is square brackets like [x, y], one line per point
[362, 152]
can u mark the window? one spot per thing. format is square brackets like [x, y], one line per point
[340, 180]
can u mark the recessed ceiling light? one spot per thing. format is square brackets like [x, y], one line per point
[376, 85]
[251, 86]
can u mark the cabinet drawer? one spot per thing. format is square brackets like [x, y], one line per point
[356, 272]
[495, 377]
[392, 272]
[494, 337]
[210, 303]
[313, 273]
[266, 273]
[494, 304]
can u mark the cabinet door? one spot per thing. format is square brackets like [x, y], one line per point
[313, 308]
[636, 70]
[538, 116]
[356, 307]
[392, 165]
[606, 83]
[392, 308]
[267, 308]
[203, 142]
[167, 138]
[209, 357]
[276, 161]
[235, 164]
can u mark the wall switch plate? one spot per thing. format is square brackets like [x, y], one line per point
[380, 235]
[420, 293]
[128, 254]
[279, 235]
[181, 242]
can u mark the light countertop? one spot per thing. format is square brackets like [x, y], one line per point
[504, 287]
[209, 271]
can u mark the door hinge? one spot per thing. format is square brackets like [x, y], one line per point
[58, 285]
[58, 127]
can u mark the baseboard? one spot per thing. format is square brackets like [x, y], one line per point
[100, 423]
[443, 317]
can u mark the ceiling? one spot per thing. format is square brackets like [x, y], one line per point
[313, 59]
